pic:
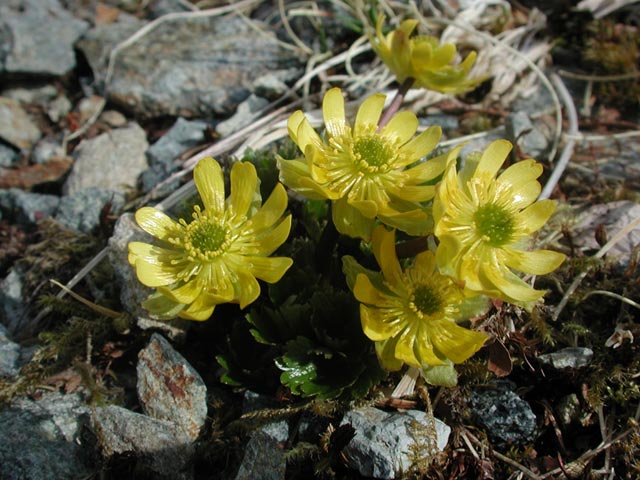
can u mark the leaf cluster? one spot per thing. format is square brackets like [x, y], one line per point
[307, 325]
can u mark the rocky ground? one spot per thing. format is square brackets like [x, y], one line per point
[106, 106]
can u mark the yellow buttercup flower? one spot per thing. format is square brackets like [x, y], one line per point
[423, 58]
[410, 314]
[217, 257]
[483, 222]
[367, 172]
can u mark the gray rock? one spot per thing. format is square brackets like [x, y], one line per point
[81, 210]
[13, 310]
[194, 67]
[270, 86]
[507, 418]
[8, 155]
[382, 445]
[169, 388]
[27, 208]
[521, 130]
[58, 108]
[46, 150]
[161, 446]
[111, 161]
[264, 456]
[40, 440]
[16, 128]
[448, 123]
[612, 217]
[97, 43]
[245, 113]
[132, 292]
[113, 118]
[567, 358]
[39, 95]
[162, 155]
[9, 355]
[39, 37]
[162, 7]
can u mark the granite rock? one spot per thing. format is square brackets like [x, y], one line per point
[16, 127]
[38, 36]
[194, 67]
[507, 418]
[41, 439]
[111, 161]
[169, 388]
[382, 443]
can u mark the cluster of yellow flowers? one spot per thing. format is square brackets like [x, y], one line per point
[378, 181]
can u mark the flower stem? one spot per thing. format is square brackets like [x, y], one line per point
[394, 106]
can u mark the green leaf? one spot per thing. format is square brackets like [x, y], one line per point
[441, 375]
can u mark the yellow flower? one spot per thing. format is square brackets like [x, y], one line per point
[363, 170]
[423, 58]
[410, 314]
[217, 257]
[482, 223]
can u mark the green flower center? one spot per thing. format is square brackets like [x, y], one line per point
[373, 153]
[494, 224]
[206, 239]
[426, 300]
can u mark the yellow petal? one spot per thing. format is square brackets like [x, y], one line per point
[156, 275]
[367, 208]
[414, 222]
[492, 158]
[157, 223]
[401, 127]
[161, 307]
[454, 342]
[405, 347]
[535, 216]
[369, 114]
[520, 173]
[149, 253]
[333, 112]
[210, 184]
[268, 269]
[186, 293]
[443, 55]
[270, 241]
[244, 182]
[201, 309]
[429, 169]
[414, 194]
[420, 146]
[293, 123]
[537, 262]
[349, 221]
[425, 262]
[293, 172]
[307, 136]
[386, 351]
[247, 288]
[378, 324]
[513, 287]
[198, 315]
[423, 348]
[384, 249]
[271, 210]
[366, 292]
